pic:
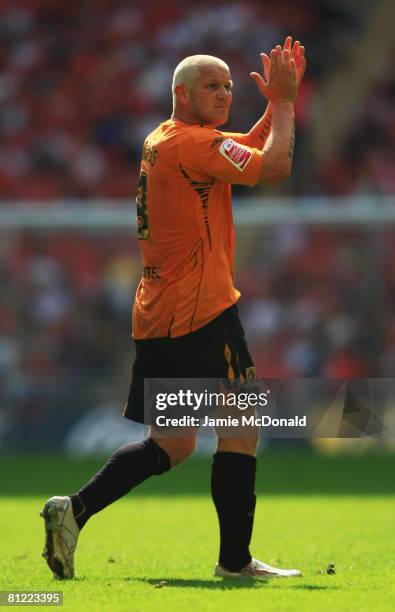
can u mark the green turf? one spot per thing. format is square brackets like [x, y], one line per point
[126, 550]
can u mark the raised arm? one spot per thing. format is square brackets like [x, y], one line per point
[280, 89]
[279, 147]
[260, 132]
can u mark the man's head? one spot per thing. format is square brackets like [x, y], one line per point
[202, 90]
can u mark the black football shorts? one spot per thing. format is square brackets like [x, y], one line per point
[216, 351]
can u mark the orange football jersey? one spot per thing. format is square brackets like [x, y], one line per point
[185, 226]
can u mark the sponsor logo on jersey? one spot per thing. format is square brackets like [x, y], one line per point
[152, 272]
[236, 154]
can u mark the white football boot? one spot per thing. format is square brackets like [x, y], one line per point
[61, 535]
[256, 569]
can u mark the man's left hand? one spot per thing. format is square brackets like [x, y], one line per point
[296, 52]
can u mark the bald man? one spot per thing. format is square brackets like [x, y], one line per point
[185, 318]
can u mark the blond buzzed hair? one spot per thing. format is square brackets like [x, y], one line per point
[188, 70]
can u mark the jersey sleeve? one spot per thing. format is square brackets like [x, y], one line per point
[243, 139]
[223, 158]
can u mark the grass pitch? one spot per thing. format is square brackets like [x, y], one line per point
[156, 548]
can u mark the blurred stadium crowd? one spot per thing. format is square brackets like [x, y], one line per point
[81, 84]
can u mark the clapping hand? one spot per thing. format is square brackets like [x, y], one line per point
[283, 72]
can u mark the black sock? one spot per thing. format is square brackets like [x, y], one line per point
[126, 468]
[232, 490]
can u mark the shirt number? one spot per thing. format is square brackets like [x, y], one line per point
[142, 213]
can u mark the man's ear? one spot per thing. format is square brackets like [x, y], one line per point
[182, 93]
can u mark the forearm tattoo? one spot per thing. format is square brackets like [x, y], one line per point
[292, 145]
[265, 131]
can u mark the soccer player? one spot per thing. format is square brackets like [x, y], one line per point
[185, 319]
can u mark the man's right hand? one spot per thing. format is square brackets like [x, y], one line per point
[282, 84]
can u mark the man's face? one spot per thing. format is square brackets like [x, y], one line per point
[211, 96]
